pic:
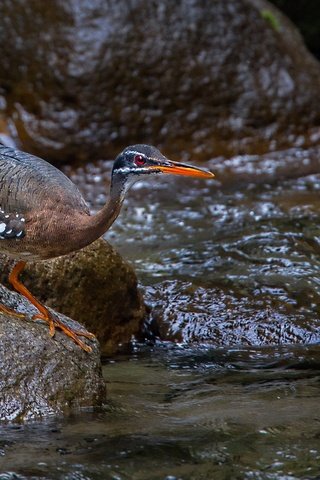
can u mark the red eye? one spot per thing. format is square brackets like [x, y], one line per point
[139, 160]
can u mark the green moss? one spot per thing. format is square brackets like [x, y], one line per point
[271, 19]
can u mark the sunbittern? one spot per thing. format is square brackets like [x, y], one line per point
[43, 215]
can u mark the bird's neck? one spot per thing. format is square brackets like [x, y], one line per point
[94, 226]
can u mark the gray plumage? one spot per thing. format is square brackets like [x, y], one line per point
[25, 178]
[35, 197]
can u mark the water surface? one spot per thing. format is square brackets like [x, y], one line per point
[180, 413]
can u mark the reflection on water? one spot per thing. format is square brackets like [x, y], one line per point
[234, 265]
[178, 413]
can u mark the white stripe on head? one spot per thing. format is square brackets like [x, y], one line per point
[137, 170]
[134, 152]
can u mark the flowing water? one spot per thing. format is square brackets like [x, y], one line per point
[230, 389]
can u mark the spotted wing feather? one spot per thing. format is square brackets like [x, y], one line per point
[12, 225]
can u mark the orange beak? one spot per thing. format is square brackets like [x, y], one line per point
[176, 168]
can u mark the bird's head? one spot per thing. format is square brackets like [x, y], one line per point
[138, 161]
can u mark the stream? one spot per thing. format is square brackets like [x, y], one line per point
[228, 388]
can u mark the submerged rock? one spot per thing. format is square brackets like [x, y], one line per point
[79, 80]
[94, 286]
[40, 375]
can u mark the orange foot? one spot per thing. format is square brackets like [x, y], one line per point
[54, 323]
[44, 313]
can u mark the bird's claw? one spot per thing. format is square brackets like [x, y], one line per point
[41, 316]
[88, 335]
[74, 334]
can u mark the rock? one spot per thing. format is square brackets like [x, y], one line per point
[94, 286]
[40, 375]
[268, 168]
[223, 318]
[78, 80]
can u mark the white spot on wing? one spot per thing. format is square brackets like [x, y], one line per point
[2, 227]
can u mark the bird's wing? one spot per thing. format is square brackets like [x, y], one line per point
[11, 225]
[29, 183]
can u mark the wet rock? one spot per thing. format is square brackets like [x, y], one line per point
[94, 286]
[242, 170]
[81, 79]
[191, 314]
[40, 375]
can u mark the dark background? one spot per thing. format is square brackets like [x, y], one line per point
[306, 15]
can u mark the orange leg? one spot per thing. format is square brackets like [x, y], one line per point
[44, 312]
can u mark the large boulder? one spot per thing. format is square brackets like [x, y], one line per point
[81, 79]
[40, 375]
[94, 286]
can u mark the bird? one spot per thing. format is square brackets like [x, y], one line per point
[43, 215]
